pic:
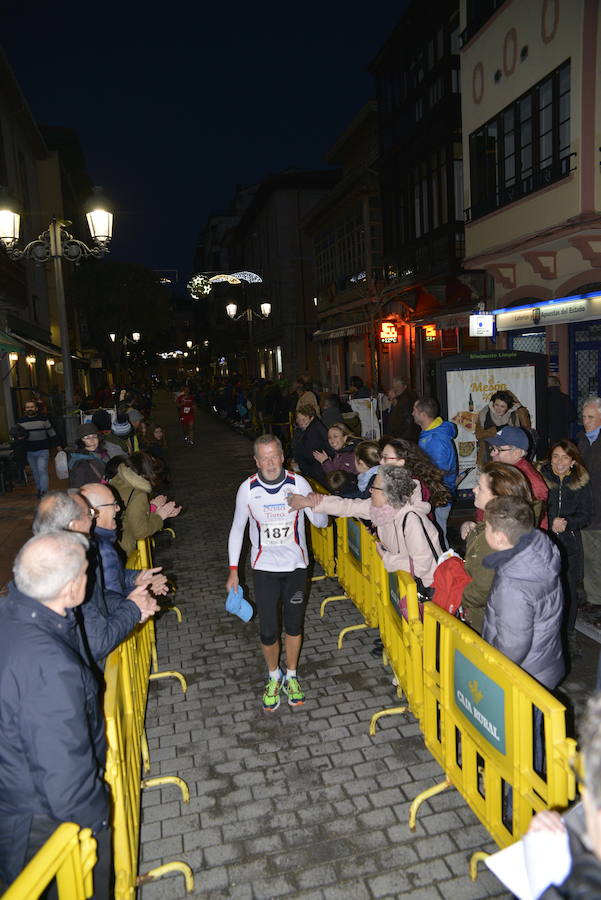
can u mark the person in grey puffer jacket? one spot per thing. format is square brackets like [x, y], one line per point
[525, 605]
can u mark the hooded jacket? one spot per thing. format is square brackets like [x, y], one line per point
[437, 440]
[525, 607]
[402, 548]
[304, 442]
[137, 521]
[52, 745]
[343, 460]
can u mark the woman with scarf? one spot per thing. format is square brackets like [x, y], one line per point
[407, 539]
[503, 408]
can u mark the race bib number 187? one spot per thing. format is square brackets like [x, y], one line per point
[276, 535]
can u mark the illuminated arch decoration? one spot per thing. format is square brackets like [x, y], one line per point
[199, 286]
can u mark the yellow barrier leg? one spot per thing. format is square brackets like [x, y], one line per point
[476, 857]
[327, 600]
[319, 577]
[154, 656]
[394, 711]
[145, 751]
[425, 795]
[184, 684]
[349, 628]
[166, 870]
[168, 779]
[174, 609]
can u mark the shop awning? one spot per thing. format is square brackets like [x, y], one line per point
[48, 349]
[10, 344]
[345, 331]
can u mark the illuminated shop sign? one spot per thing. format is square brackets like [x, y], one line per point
[388, 333]
[550, 312]
[430, 332]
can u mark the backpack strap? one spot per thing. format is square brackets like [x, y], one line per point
[426, 535]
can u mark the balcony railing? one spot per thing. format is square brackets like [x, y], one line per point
[522, 188]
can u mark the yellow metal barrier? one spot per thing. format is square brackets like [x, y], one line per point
[127, 674]
[141, 558]
[124, 739]
[69, 857]
[401, 632]
[479, 723]
[323, 541]
[356, 552]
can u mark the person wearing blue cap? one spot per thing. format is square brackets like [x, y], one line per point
[510, 446]
[279, 559]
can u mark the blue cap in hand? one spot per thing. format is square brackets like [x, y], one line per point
[238, 605]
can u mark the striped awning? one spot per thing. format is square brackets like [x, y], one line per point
[345, 331]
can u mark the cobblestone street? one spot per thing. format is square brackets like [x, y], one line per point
[301, 803]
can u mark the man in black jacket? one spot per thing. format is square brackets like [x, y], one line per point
[589, 445]
[52, 744]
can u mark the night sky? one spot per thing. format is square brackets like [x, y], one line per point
[175, 105]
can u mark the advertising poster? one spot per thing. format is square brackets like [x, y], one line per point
[469, 392]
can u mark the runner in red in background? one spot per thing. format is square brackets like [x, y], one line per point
[187, 410]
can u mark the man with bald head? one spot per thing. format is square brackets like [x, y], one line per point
[106, 617]
[52, 745]
[116, 578]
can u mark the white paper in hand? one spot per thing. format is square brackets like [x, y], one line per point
[529, 866]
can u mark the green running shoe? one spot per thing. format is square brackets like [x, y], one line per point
[296, 695]
[271, 697]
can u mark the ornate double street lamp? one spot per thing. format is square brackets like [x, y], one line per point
[201, 285]
[57, 244]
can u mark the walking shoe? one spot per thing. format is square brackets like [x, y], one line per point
[271, 697]
[296, 695]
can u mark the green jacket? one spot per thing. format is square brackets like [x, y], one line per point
[475, 594]
[137, 521]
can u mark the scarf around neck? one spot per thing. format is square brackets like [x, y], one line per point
[382, 515]
[363, 478]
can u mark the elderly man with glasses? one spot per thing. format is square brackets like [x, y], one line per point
[510, 446]
[118, 580]
[106, 617]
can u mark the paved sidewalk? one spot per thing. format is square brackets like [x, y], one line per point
[301, 803]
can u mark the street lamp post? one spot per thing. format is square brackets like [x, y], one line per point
[57, 244]
[135, 338]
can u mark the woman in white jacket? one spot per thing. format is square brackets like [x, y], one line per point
[408, 540]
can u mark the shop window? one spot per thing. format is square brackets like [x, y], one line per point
[531, 341]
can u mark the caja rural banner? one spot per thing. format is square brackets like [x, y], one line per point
[469, 391]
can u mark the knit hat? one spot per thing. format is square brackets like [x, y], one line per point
[121, 427]
[134, 416]
[87, 428]
[102, 419]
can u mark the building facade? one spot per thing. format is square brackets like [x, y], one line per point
[426, 284]
[532, 136]
[346, 230]
[268, 241]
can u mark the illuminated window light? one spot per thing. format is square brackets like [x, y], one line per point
[30, 360]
